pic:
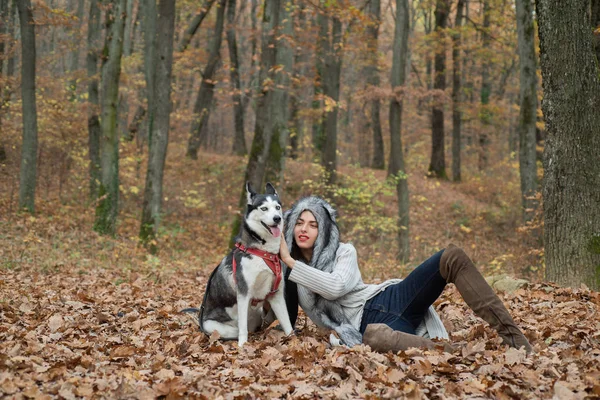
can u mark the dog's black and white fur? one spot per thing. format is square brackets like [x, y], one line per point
[227, 307]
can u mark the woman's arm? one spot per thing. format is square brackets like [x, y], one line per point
[331, 285]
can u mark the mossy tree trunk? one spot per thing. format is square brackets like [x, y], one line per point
[108, 194]
[159, 136]
[28, 173]
[398, 79]
[279, 105]
[93, 97]
[571, 163]
[263, 129]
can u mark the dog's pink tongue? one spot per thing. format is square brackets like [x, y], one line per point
[275, 231]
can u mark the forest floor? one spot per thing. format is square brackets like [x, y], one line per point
[83, 315]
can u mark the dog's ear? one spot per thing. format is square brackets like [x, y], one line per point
[269, 189]
[250, 193]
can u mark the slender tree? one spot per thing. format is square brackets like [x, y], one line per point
[159, 136]
[398, 79]
[301, 66]
[205, 94]
[93, 97]
[150, 19]
[437, 166]
[485, 115]
[456, 92]
[239, 139]
[127, 51]
[74, 61]
[570, 104]
[30, 135]
[371, 74]
[108, 201]
[195, 24]
[528, 106]
[318, 136]
[332, 71]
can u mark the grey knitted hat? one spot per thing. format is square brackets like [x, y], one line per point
[328, 239]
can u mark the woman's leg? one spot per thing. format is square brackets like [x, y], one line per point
[456, 267]
[403, 306]
[391, 318]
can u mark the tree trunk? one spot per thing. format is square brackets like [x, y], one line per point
[28, 173]
[129, 22]
[3, 50]
[263, 133]
[195, 24]
[331, 90]
[398, 79]
[528, 107]
[318, 136]
[93, 98]
[456, 95]
[124, 95]
[486, 90]
[297, 101]
[74, 62]
[239, 139]
[159, 136]
[595, 18]
[263, 130]
[150, 17]
[205, 94]
[437, 166]
[280, 99]
[571, 163]
[371, 75]
[108, 201]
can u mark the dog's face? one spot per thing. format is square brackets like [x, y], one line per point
[264, 213]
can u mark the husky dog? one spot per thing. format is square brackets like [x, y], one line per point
[249, 275]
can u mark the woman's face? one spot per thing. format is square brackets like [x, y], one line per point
[306, 230]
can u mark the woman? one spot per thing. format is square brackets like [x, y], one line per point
[393, 315]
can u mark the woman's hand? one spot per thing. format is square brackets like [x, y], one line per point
[284, 253]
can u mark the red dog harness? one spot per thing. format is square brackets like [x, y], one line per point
[272, 261]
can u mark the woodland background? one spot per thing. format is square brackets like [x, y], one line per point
[420, 120]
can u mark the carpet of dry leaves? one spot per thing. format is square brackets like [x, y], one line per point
[84, 316]
[71, 332]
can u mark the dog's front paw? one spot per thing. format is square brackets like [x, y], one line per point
[242, 341]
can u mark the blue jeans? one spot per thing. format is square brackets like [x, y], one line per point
[402, 306]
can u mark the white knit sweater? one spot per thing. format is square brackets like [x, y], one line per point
[345, 285]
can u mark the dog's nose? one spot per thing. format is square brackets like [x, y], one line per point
[277, 219]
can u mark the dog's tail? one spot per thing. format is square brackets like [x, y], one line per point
[194, 311]
[190, 310]
[200, 311]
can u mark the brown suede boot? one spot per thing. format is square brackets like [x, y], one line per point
[382, 338]
[457, 267]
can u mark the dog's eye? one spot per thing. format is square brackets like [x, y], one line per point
[264, 208]
[277, 208]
